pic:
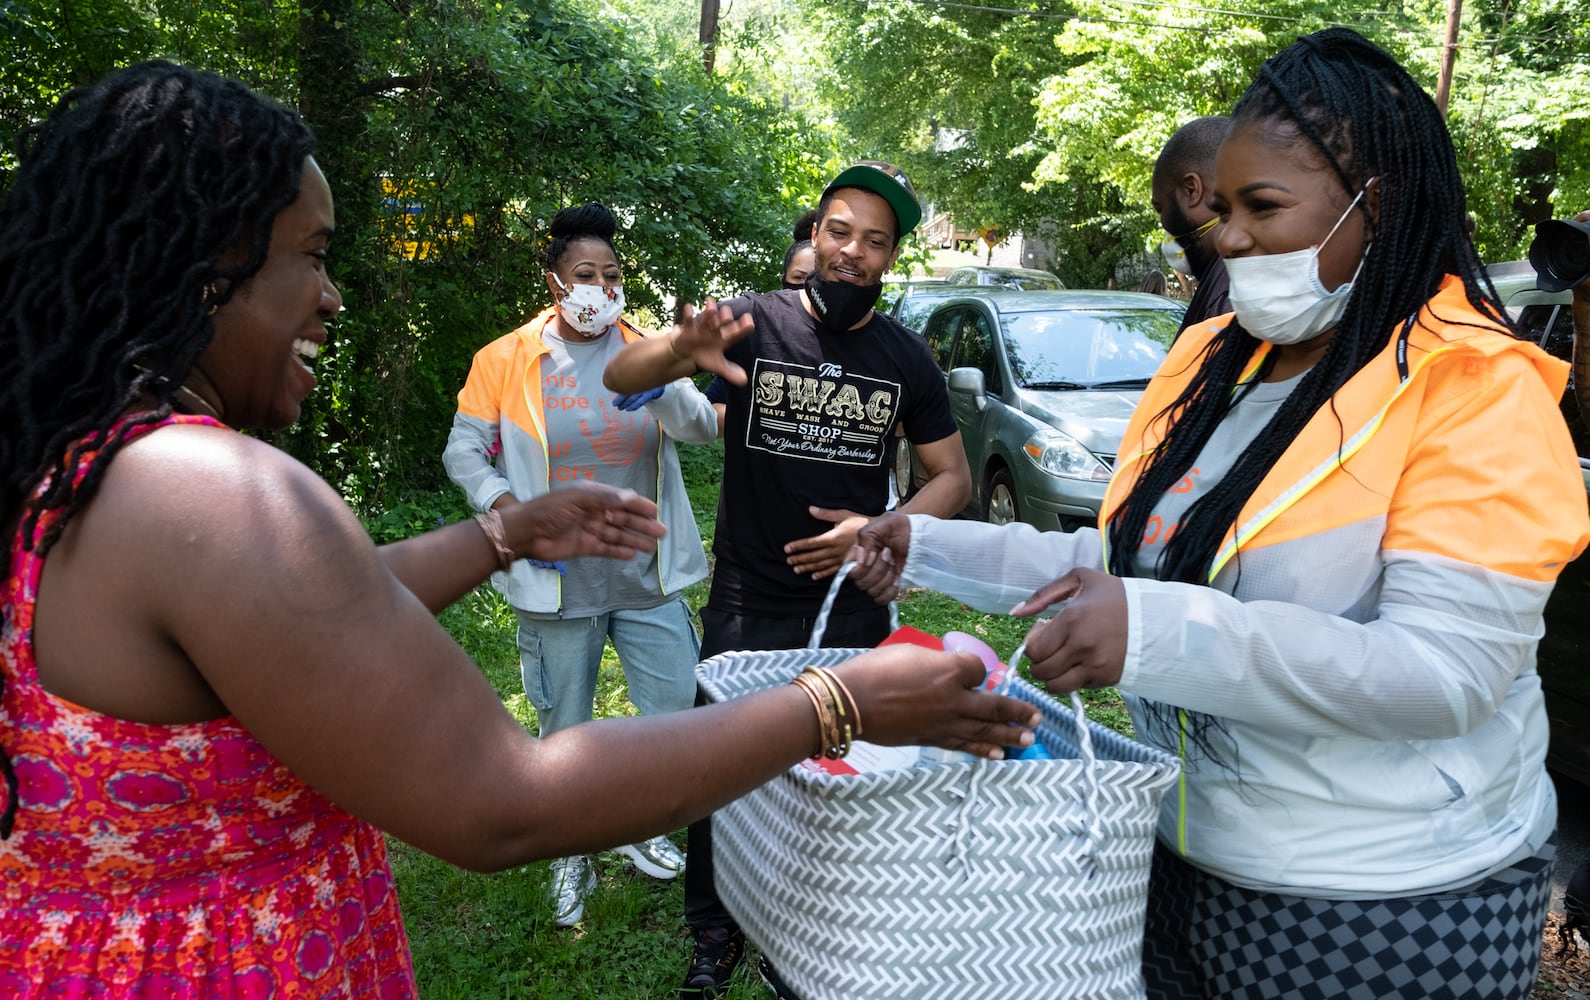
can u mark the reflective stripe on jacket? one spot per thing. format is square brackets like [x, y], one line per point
[498, 445]
[1368, 640]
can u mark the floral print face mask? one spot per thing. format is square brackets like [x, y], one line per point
[590, 309]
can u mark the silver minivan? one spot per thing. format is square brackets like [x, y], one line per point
[1041, 385]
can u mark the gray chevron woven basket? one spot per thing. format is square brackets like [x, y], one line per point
[1007, 879]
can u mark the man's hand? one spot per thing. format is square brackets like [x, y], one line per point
[820, 556]
[582, 519]
[702, 336]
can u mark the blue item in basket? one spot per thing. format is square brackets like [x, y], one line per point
[1034, 752]
[997, 678]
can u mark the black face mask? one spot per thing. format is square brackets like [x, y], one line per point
[794, 286]
[839, 305]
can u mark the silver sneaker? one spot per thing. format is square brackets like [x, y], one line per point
[657, 857]
[570, 882]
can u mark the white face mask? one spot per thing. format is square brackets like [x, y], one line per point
[590, 309]
[1175, 256]
[1173, 252]
[1279, 298]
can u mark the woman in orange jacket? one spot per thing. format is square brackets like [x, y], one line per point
[1320, 571]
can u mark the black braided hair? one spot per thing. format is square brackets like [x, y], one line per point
[1348, 100]
[139, 204]
[591, 221]
[1365, 117]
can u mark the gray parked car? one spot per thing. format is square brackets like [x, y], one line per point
[1021, 279]
[1041, 385]
[910, 302]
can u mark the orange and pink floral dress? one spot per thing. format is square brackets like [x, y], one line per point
[175, 861]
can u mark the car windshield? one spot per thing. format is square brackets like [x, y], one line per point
[1026, 282]
[1076, 349]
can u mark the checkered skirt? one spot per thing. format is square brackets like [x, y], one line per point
[1207, 939]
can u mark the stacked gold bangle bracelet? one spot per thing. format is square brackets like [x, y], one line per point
[838, 718]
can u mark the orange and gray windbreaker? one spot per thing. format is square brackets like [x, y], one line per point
[498, 445]
[1368, 638]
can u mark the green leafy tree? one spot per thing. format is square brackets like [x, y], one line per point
[451, 132]
[1521, 118]
[947, 92]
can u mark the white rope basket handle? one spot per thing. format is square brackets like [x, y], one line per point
[1084, 744]
[821, 624]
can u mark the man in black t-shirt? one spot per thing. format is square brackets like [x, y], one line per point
[817, 382]
[1184, 178]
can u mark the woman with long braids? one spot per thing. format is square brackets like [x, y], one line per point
[1321, 571]
[216, 689]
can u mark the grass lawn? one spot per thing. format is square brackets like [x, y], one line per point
[492, 936]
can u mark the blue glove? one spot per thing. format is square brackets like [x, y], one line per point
[639, 399]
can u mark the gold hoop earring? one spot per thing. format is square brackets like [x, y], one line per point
[208, 295]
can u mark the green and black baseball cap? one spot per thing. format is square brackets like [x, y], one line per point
[888, 182]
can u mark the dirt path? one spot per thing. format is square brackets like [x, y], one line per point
[1566, 978]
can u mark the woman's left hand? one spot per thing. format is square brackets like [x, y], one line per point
[1084, 645]
[583, 519]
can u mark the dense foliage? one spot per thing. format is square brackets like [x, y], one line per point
[451, 133]
[452, 130]
[1045, 116]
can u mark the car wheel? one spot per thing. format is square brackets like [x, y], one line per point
[904, 474]
[1000, 506]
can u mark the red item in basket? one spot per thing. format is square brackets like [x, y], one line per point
[914, 636]
[866, 757]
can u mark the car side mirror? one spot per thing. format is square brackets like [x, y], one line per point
[970, 382]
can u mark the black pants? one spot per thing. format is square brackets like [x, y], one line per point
[720, 633]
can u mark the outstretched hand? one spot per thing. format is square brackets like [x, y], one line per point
[702, 335]
[909, 695]
[879, 554]
[1084, 644]
[820, 556]
[582, 519]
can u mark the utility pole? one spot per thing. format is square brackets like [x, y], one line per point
[709, 32]
[1443, 86]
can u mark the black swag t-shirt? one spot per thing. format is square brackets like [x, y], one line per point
[813, 426]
